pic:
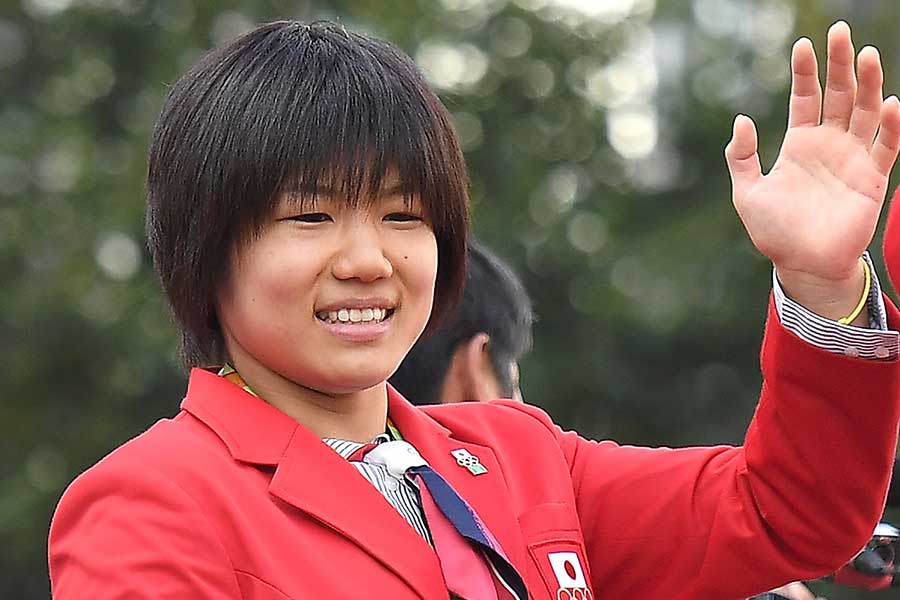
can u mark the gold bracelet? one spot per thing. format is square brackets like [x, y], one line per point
[865, 296]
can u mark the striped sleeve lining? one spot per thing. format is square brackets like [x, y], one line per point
[875, 343]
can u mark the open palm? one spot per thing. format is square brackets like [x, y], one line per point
[816, 211]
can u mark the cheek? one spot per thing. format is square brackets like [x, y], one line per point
[279, 287]
[422, 264]
[282, 270]
[266, 280]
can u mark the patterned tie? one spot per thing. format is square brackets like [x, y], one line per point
[467, 551]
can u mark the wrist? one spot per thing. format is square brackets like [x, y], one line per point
[843, 299]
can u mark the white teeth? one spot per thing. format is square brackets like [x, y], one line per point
[354, 315]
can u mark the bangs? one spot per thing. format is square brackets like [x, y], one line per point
[342, 118]
[348, 144]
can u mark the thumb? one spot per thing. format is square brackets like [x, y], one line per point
[891, 246]
[741, 156]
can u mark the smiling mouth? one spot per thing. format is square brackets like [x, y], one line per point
[355, 316]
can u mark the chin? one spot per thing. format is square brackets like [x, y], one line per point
[359, 382]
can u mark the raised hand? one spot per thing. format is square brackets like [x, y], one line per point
[816, 211]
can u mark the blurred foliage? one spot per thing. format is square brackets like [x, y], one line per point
[594, 132]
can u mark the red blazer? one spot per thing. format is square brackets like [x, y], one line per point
[233, 499]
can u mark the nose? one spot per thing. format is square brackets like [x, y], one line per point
[361, 254]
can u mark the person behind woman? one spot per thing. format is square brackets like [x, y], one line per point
[307, 216]
[474, 355]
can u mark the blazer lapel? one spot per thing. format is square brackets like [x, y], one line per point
[486, 493]
[314, 479]
[317, 480]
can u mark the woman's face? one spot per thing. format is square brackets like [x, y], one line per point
[330, 297]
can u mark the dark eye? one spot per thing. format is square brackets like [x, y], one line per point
[402, 217]
[311, 218]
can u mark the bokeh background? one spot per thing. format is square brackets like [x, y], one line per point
[594, 131]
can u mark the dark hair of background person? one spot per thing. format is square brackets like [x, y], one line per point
[494, 302]
[293, 109]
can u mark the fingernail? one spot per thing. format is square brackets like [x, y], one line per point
[869, 48]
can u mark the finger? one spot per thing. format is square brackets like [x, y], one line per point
[840, 80]
[887, 142]
[867, 109]
[741, 155]
[806, 94]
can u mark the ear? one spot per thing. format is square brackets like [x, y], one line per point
[891, 246]
[471, 377]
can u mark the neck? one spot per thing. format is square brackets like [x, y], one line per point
[358, 416]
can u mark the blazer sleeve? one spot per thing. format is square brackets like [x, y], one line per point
[798, 500]
[123, 530]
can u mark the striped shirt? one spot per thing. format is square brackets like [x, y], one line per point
[874, 343]
[402, 494]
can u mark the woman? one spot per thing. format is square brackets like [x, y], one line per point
[307, 215]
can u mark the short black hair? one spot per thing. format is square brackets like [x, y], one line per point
[494, 302]
[291, 108]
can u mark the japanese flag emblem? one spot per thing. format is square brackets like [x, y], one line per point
[569, 575]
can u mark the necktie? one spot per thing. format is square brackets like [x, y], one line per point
[467, 551]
